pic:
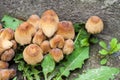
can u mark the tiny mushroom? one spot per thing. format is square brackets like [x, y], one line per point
[57, 41]
[34, 20]
[49, 23]
[66, 29]
[14, 44]
[45, 46]
[24, 33]
[33, 54]
[51, 13]
[3, 64]
[57, 54]
[68, 47]
[94, 25]
[4, 45]
[7, 33]
[8, 55]
[38, 37]
[7, 74]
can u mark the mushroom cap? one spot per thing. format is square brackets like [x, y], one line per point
[7, 33]
[8, 55]
[51, 13]
[3, 65]
[38, 37]
[57, 54]
[14, 44]
[45, 46]
[48, 25]
[66, 29]
[4, 45]
[57, 41]
[24, 33]
[48, 22]
[94, 25]
[7, 74]
[32, 54]
[34, 20]
[68, 47]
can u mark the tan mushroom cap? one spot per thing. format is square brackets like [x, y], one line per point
[7, 74]
[14, 44]
[57, 41]
[3, 65]
[4, 45]
[49, 23]
[94, 25]
[68, 47]
[24, 33]
[34, 20]
[8, 55]
[32, 54]
[66, 29]
[38, 37]
[51, 13]
[7, 33]
[57, 54]
[45, 46]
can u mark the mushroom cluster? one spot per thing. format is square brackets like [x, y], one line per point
[7, 47]
[45, 35]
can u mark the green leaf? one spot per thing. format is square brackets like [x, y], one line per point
[103, 44]
[102, 73]
[84, 42]
[94, 40]
[113, 43]
[103, 61]
[78, 26]
[103, 52]
[15, 78]
[77, 57]
[10, 22]
[48, 65]
[116, 49]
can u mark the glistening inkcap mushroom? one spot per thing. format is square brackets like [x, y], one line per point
[94, 25]
[33, 54]
[24, 33]
[66, 29]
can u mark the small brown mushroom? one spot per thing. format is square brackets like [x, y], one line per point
[24, 33]
[51, 13]
[49, 22]
[57, 41]
[7, 74]
[4, 45]
[68, 47]
[14, 44]
[3, 65]
[33, 54]
[45, 46]
[8, 55]
[38, 37]
[7, 33]
[94, 25]
[34, 20]
[57, 54]
[66, 29]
